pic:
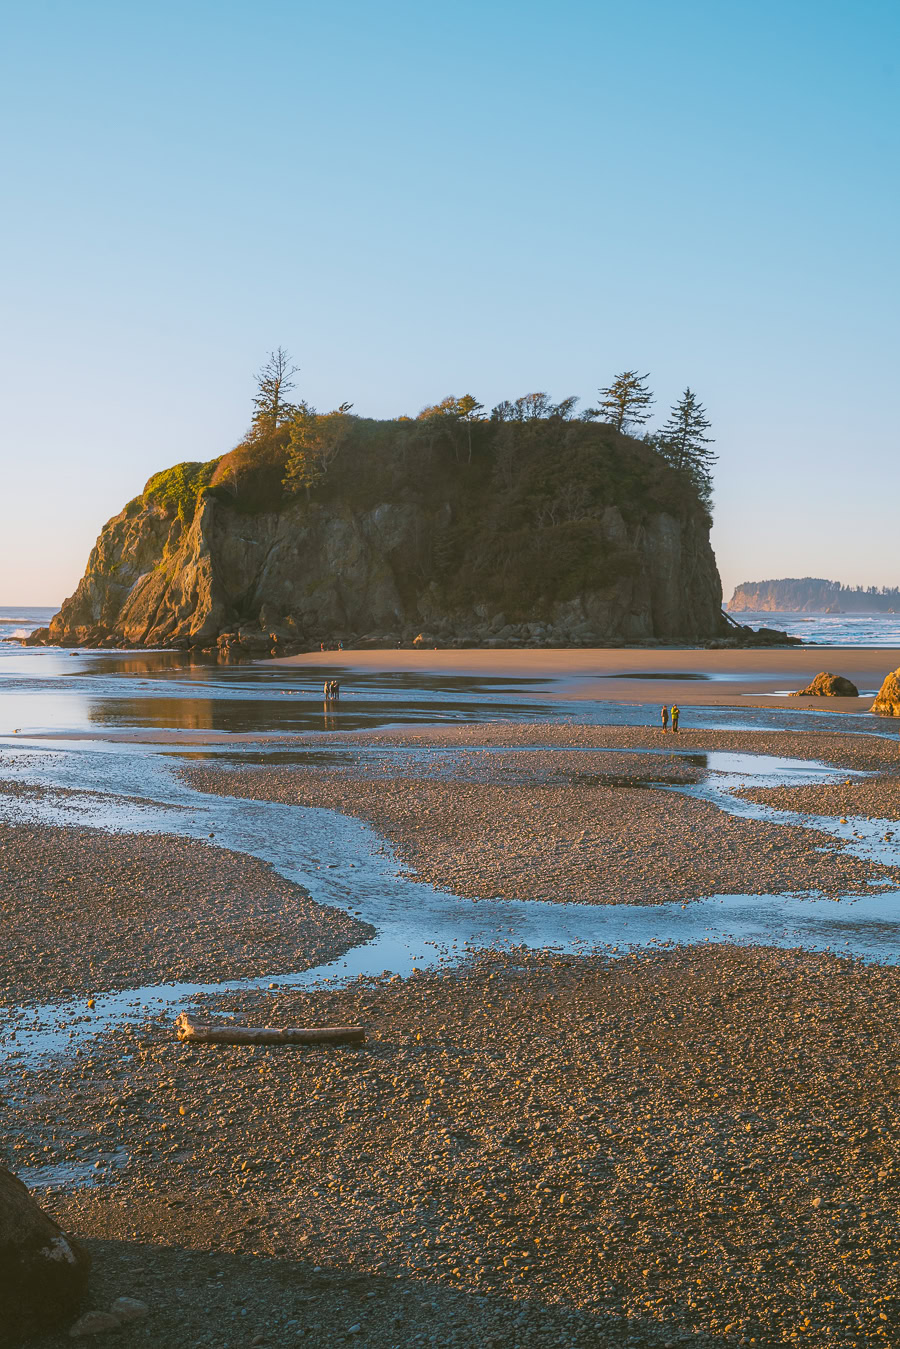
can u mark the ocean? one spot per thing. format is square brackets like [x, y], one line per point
[830, 629]
[18, 620]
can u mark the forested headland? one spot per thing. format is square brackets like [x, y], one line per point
[812, 594]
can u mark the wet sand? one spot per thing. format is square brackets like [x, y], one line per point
[575, 822]
[873, 800]
[697, 1147]
[86, 911]
[747, 678]
[693, 1147]
[587, 843]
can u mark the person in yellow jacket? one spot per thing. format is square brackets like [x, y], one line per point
[675, 715]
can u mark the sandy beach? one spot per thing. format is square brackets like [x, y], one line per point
[691, 1146]
[745, 678]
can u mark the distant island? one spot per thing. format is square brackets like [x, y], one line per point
[813, 595]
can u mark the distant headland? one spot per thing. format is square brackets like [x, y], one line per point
[813, 595]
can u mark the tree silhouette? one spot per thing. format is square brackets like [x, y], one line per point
[627, 401]
[684, 443]
[273, 383]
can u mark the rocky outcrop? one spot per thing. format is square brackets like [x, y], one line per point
[812, 594]
[455, 560]
[827, 685]
[43, 1272]
[887, 704]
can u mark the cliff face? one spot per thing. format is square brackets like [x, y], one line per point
[444, 546]
[811, 594]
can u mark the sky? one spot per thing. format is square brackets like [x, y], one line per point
[429, 199]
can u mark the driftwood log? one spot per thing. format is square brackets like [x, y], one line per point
[195, 1032]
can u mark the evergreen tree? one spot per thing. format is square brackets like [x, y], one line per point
[273, 383]
[316, 439]
[626, 402]
[684, 443]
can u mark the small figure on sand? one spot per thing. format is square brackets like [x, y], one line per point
[675, 715]
[664, 714]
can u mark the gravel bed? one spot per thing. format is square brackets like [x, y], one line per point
[698, 1146]
[85, 911]
[877, 799]
[514, 825]
[859, 750]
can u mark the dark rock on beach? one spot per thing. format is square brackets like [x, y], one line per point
[43, 1273]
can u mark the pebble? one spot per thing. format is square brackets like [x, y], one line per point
[129, 1309]
[94, 1323]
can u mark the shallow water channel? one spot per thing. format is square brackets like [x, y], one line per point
[345, 863]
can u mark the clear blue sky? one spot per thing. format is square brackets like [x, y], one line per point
[426, 198]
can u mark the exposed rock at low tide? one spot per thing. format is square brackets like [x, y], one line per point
[43, 1272]
[571, 528]
[827, 685]
[888, 701]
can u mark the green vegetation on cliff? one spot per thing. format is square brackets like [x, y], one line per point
[176, 490]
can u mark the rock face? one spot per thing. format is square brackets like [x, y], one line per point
[42, 1272]
[461, 553]
[888, 701]
[827, 685]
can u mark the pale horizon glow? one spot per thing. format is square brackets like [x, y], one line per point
[424, 200]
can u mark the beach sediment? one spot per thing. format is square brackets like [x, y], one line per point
[566, 818]
[696, 1146]
[85, 911]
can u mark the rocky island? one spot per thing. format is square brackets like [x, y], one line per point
[546, 531]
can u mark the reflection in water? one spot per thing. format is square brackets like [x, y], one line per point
[49, 689]
[176, 714]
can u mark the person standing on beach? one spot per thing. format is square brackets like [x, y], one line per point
[664, 713]
[675, 715]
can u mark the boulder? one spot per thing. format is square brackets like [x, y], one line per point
[888, 701]
[43, 1272]
[827, 685]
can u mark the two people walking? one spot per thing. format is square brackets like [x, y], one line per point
[676, 713]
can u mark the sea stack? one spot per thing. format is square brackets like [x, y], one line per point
[554, 533]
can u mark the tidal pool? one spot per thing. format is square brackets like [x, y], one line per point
[345, 863]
